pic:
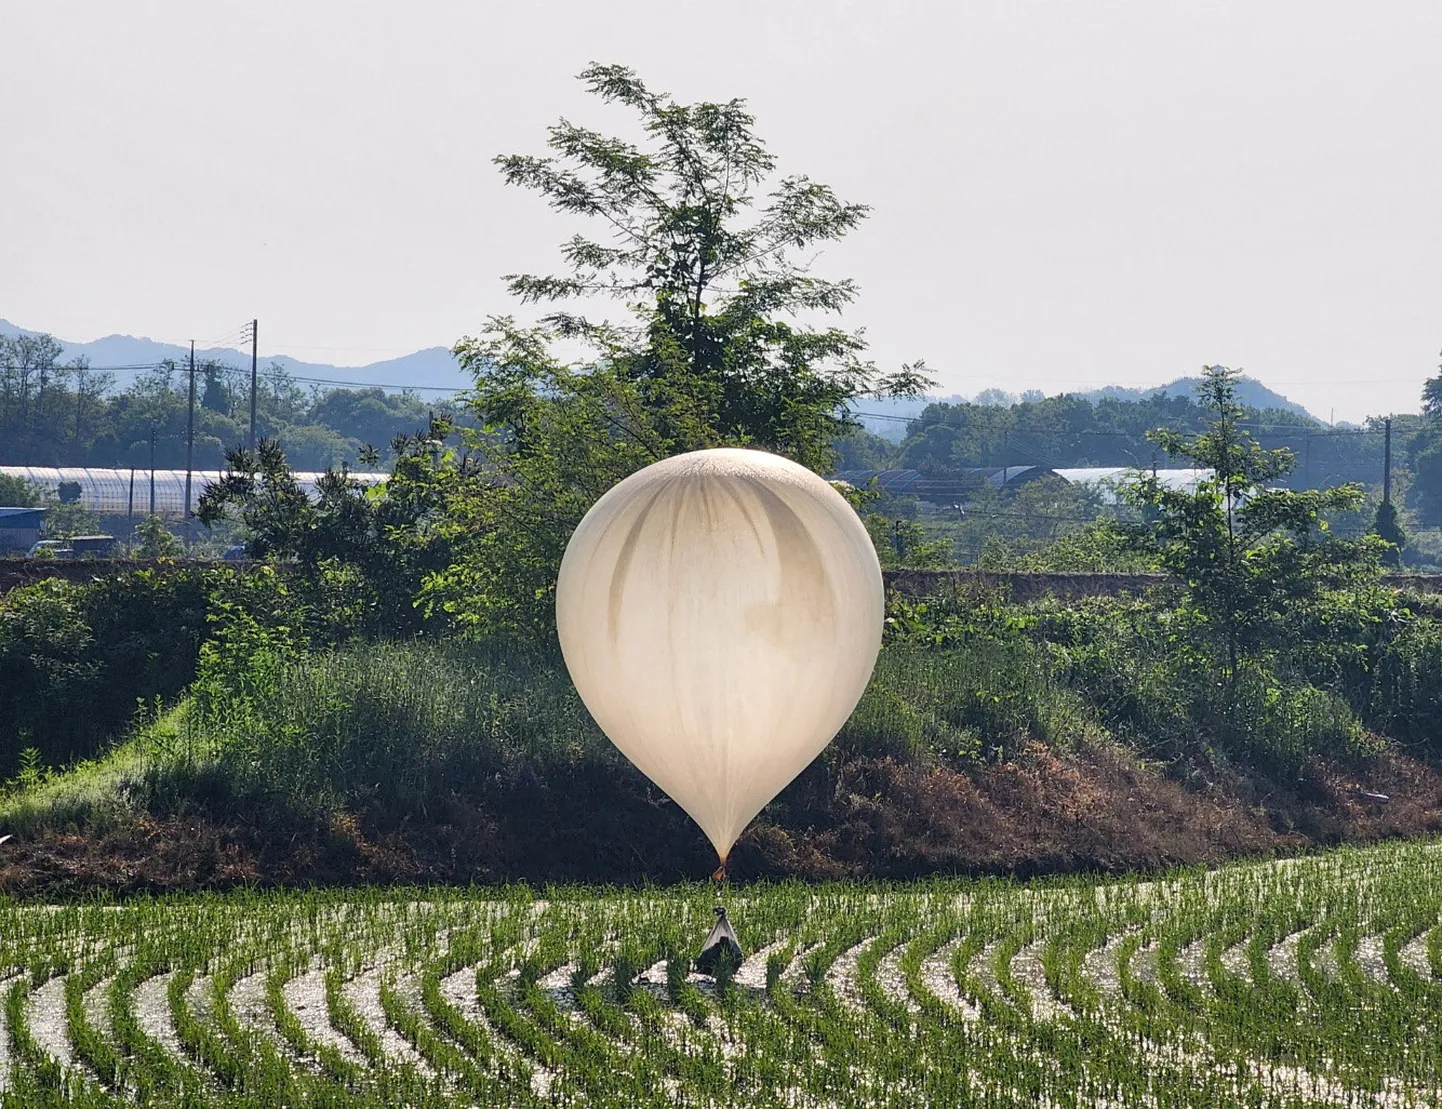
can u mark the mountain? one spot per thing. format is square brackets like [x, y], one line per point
[432, 370]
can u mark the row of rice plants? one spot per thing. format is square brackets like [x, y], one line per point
[1305, 982]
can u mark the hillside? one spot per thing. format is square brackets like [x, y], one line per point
[1250, 392]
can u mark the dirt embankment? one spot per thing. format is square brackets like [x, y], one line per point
[1042, 813]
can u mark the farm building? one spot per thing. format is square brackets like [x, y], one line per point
[19, 529]
[1108, 479]
[128, 492]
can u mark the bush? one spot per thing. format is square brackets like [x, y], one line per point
[75, 658]
[1399, 690]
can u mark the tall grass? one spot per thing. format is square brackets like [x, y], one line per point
[394, 723]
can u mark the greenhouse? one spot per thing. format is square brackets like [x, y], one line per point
[130, 492]
[1108, 480]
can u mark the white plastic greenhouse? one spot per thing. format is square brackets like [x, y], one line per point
[122, 492]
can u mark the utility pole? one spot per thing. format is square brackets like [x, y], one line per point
[152, 471]
[1387, 461]
[254, 329]
[190, 438]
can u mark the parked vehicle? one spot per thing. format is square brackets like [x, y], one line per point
[94, 546]
[50, 548]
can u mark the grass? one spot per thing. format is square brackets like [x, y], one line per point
[399, 726]
[450, 762]
[1287, 984]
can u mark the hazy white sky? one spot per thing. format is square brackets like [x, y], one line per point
[1066, 194]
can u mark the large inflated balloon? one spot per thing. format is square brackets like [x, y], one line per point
[720, 613]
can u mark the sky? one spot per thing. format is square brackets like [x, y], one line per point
[1065, 195]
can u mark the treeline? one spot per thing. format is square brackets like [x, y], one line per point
[57, 413]
[1070, 431]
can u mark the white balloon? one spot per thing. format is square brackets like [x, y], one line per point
[720, 613]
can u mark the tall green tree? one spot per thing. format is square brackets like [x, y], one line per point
[704, 248]
[1255, 559]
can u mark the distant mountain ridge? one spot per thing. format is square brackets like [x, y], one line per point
[433, 370]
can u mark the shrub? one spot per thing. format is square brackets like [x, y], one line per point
[75, 658]
[1398, 691]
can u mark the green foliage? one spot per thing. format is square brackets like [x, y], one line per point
[904, 544]
[1388, 528]
[1102, 547]
[62, 521]
[712, 354]
[75, 657]
[154, 540]
[360, 554]
[1255, 560]
[16, 492]
[1069, 430]
[396, 725]
[713, 290]
[66, 414]
[1142, 672]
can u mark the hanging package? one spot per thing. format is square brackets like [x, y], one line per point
[721, 943]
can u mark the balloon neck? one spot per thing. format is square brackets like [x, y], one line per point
[720, 874]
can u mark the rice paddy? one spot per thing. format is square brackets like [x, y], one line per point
[1310, 982]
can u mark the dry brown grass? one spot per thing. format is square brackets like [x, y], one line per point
[1040, 813]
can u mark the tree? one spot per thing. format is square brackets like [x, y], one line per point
[1424, 455]
[1388, 528]
[715, 295]
[1254, 559]
[62, 521]
[29, 358]
[360, 553]
[215, 396]
[1432, 396]
[16, 492]
[704, 256]
[155, 540]
[904, 544]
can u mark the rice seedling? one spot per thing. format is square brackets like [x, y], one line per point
[1294, 983]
